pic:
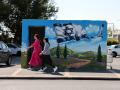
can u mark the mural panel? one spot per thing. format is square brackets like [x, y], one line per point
[77, 45]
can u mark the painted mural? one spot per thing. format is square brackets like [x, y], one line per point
[77, 45]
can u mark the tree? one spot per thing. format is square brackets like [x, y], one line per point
[4, 14]
[58, 51]
[65, 52]
[4, 10]
[112, 41]
[16, 10]
[0, 34]
[99, 54]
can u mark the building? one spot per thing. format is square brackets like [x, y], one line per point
[116, 34]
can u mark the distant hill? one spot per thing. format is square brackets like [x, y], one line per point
[89, 55]
[61, 51]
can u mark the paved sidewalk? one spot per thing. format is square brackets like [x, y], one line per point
[24, 73]
[15, 71]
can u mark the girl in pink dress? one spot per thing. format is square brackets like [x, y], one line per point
[36, 59]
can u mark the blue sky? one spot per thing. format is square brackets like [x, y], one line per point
[89, 10]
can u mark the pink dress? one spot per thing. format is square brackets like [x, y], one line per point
[36, 59]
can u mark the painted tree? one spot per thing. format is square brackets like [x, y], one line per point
[58, 51]
[99, 54]
[65, 52]
[13, 11]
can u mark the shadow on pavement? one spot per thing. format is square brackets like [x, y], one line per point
[116, 70]
[50, 71]
[4, 66]
[56, 73]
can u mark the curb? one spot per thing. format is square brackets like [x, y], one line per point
[58, 78]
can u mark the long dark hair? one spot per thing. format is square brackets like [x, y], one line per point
[40, 40]
[37, 35]
[46, 39]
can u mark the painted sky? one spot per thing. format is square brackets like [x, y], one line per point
[84, 44]
[89, 10]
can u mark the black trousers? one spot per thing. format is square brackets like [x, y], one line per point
[47, 61]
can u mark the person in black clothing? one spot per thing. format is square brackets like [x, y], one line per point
[46, 56]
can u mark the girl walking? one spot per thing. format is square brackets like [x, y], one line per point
[36, 60]
[46, 56]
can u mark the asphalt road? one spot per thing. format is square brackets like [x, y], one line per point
[59, 85]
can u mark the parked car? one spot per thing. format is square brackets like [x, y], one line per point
[16, 50]
[5, 54]
[115, 50]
